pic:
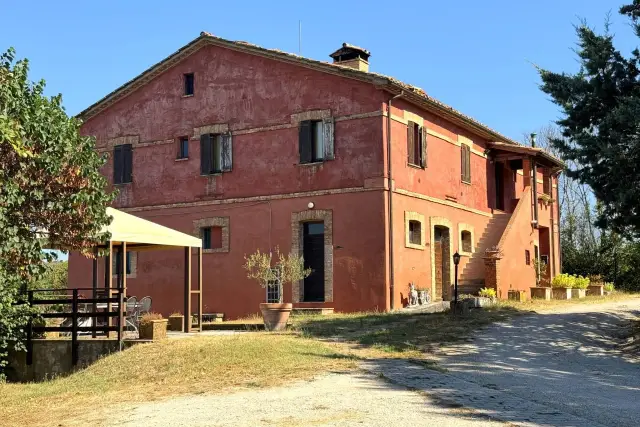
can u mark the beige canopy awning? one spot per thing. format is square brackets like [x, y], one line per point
[141, 234]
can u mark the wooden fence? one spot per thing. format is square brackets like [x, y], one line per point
[112, 306]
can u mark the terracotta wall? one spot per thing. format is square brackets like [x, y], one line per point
[414, 265]
[519, 236]
[442, 177]
[358, 255]
[248, 93]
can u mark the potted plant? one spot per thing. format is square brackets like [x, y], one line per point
[485, 298]
[153, 327]
[580, 285]
[287, 269]
[561, 286]
[176, 322]
[608, 288]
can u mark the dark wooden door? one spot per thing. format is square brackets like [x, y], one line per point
[438, 261]
[499, 186]
[313, 252]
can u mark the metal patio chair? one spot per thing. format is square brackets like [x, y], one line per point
[145, 305]
[132, 308]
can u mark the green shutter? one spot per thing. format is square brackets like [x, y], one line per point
[305, 141]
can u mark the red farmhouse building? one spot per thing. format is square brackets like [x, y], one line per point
[376, 183]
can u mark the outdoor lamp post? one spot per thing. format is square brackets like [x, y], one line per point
[456, 261]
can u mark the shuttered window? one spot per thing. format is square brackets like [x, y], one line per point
[415, 232]
[416, 145]
[315, 140]
[122, 164]
[215, 153]
[465, 163]
[206, 238]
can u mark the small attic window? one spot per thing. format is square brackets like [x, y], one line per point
[188, 84]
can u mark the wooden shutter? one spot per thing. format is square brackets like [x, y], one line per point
[117, 164]
[411, 150]
[205, 154]
[465, 159]
[468, 157]
[328, 131]
[227, 152]
[423, 147]
[305, 139]
[463, 163]
[127, 162]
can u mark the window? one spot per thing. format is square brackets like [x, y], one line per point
[311, 141]
[122, 164]
[188, 84]
[546, 182]
[211, 237]
[416, 145]
[527, 257]
[215, 153]
[273, 288]
[183, 147]
[415, 232]
[465, 163]
[206, 238]
[467, 244]
[315, 140]
[117, 263]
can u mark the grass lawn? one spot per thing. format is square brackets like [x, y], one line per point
[152, 371]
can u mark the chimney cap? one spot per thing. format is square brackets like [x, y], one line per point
[350, 51]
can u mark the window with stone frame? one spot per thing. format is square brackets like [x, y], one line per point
[415, 232]
[214, 233]
[215, 153]
[466, 239]
[122, 163]
[315, 140]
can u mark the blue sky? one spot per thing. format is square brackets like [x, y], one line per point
[474, 56]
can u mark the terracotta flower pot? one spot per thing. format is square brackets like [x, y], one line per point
[275, 315]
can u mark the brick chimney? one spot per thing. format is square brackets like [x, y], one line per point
[352, 56]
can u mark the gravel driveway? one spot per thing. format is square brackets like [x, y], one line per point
[557, 369]
[552, 369]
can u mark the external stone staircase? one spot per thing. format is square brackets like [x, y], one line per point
[471, 278]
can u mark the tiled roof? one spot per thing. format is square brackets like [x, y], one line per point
[412, 93]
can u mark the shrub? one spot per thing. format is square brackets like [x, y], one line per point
[581, 282]
[608, 286]
[148, 317]
[487, 293]
[563, 281]
[175, 314]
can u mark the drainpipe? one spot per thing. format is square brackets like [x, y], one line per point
[535, 182]
[391, 272]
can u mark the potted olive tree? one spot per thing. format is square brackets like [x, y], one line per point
[287, 269]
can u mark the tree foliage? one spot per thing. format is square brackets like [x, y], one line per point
[50, 189]
[601, 124]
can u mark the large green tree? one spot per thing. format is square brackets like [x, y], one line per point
[601, 124]
[50, 189]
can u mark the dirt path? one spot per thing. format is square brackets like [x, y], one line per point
[357, 399]
[561, 368]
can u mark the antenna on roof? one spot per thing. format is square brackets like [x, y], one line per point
[300, 38]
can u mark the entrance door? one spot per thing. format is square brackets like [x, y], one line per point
[438, 259]
[499, 186]
[313, 252]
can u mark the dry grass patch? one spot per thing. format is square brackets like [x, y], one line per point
[398, 334]
[153, 371]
